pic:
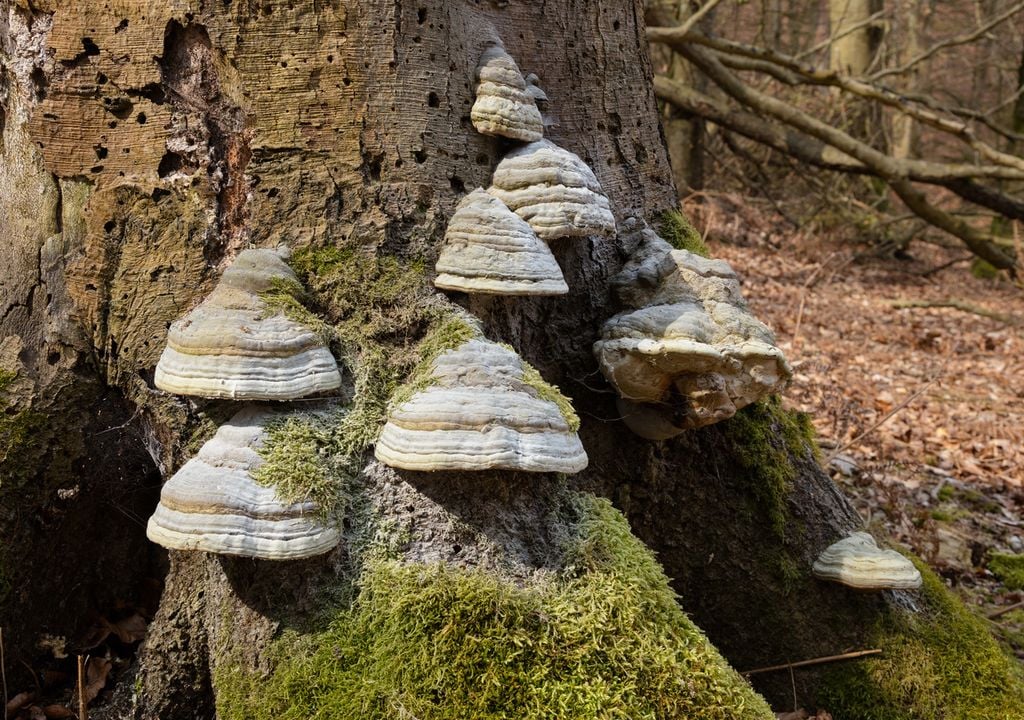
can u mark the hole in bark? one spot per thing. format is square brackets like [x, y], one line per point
[141, 118]
[616, 25]
[101, 152]
[399, 163]
[330, 58]
[53, 358]
[101, 79]
[153, 92]
[483, 159]
[159, 193]
[109, 226]
[273, 192]
[420, 156]
[96, 169]
[120, 107]
[112, 124]
[121, 26]
[346, 81]
[456, 549]
[457, 184]
[432, 100]
[284, 63]
[39, 82]
[169, 163]
[417, 39]
[91, 49]
[421, 16]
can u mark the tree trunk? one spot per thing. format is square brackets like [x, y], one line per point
[144, 146]
[852, 48]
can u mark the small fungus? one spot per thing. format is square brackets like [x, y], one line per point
[690, 346]
[553, 190]
[234, 345]
[504, 106]
[490, 249]
[480, 413]
[213, 504]
[858, 562]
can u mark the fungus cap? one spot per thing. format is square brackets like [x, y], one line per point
[858, 562]
[489, 249]
[233, 345]
[480, 414]
[553, 190]
[213, 504]
[504, 104]
[691, 341]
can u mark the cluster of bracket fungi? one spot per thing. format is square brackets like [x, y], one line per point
[684, 353]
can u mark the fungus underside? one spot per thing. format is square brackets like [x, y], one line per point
[939, 664]
[602, 638]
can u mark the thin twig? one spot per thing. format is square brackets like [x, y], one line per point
[83, 711]
[1008, 609]
[692, 21]
[814, 661]
[913, 396]
[960, 305]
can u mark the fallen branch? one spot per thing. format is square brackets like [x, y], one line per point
[958, 305]
[1008, 609]
[893, 171]
[814, 661]
[83, 710]
[885, 418]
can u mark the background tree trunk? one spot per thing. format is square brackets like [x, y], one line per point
[144, 146]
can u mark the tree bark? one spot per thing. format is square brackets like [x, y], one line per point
[144, 146]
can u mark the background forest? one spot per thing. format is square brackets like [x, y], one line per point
[906, 339]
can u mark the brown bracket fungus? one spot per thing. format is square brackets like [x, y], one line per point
[490, 249]
[691, 345]
[504, 105]
[480, 413]
[213, 504]
[858, 562]
[233, 345]
[553, 190]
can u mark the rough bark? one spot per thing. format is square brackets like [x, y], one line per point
[143, 146]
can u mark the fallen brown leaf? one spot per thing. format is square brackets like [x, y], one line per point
[19, 701]
[57, 712]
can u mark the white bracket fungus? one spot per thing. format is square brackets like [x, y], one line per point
[213, 504]
[234, 346]
[690, 347]
[858, 562]
[504, 105]
[480, 414]
[490, 249]
[553, 190]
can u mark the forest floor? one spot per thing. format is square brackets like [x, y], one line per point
[914, 377]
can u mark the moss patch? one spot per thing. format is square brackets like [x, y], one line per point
[765, 439]
[602, 639]
[939, 664]
[286, 297]
[305, 460]
[1009, 569]
[680, 233]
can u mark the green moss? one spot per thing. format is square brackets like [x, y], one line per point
[305, 460]
[767, 440]
[983, 269]
[946, 493]
[551, 393]
[939, 664]
[285, 296]
[1008, 568]
[602, 639]
[680, 233]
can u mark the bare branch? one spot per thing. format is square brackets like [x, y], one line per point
[952, 42]
[894, 172]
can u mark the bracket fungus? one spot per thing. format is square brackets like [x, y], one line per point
[213, 504]
[553, 190]
[480, 413]
[504, 104]
[690, 348]
[233, 345]
[490, 249]
[858, 562]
